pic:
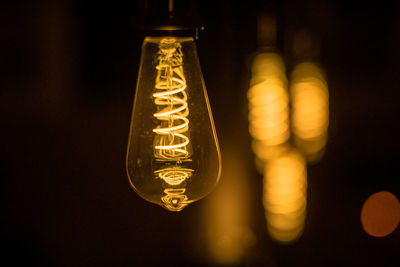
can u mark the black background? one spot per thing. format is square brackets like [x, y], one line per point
[68, 72]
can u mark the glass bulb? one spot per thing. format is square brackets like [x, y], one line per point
[173, 157]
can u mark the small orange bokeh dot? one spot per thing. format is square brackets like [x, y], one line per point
[380, 214]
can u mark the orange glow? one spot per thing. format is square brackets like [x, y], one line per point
[310, 109]
[268, 106]
[265, 152]
[285, 196]
[380, 214]
[227, 215]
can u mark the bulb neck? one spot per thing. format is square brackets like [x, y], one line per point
[171, 30]
[169, 18]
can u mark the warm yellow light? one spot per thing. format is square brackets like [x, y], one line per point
[285, 196]
[310, 109]
[265, 152]
[173, 156]
[228, 213]
[267, 65]
[170, 98]
[268, 103]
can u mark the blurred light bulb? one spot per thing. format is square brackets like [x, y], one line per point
[173, 156]
[310, 113]
[285, 196]
[268, 103]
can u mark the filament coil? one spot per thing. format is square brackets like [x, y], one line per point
[171, 142]
[171, 100]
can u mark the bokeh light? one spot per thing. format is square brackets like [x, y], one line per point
[285, 196]
[268, 102]
[310, 110]
[380, 214]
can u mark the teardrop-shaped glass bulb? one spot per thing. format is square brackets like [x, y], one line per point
[173, 156]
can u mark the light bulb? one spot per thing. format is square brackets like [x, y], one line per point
[285, 196]
[173, 157]
[268, 102]
[310, 110]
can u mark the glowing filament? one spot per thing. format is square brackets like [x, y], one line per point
[171, 140]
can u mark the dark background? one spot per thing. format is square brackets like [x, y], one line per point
[68, 72]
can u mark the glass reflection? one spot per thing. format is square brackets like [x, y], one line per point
[175, 199]
[174, 178]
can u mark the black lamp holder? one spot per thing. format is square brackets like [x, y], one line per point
[169, 17]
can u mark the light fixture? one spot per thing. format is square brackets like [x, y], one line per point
[173, 157]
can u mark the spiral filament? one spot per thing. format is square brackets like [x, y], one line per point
[172, 108]
[171, 143]
[175, 199]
